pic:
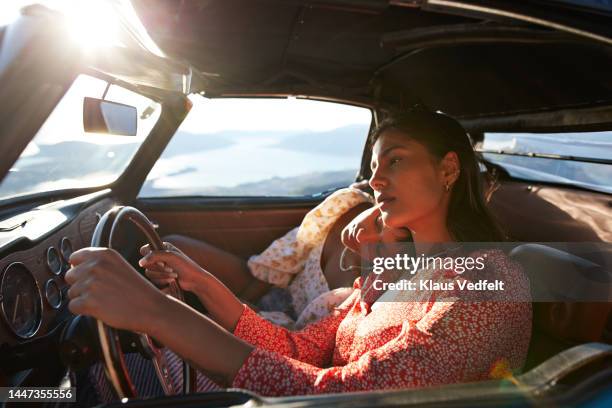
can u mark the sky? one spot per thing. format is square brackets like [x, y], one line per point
[209, 116]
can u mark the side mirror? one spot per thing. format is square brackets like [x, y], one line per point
[100, 116]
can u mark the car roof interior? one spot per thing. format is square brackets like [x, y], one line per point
[378, 53]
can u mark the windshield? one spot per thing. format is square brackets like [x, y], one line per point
[63, 156]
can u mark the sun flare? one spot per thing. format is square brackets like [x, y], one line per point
[93, 24]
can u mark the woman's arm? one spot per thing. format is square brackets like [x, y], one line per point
[197, 339]
[314, 344]
[231, 270]
[105, 286]
[164, 266]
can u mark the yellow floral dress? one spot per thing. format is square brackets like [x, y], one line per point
[293, 262]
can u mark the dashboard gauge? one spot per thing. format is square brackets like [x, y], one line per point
[66, 248]
[53, 261]
[20, 300]
[53, 294]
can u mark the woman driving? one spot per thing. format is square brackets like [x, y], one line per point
[426, 178]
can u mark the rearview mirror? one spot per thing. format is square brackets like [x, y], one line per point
[100, 116]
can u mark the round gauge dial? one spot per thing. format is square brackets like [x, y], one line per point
[66, 248]
[20, 299]
[53, 261]
[53, 294]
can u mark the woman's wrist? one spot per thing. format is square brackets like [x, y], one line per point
[222, 305]
[202, 286]
[159, 315]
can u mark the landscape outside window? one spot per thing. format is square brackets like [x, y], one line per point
[94, 159]
[518, 154]
[261, 147]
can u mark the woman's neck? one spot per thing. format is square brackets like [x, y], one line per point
[430, 233]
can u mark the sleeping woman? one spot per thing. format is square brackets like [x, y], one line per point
[425, 178]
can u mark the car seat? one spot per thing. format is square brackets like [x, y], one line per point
[559, 324]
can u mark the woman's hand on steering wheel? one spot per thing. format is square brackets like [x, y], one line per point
[107, 287]
[166, 265]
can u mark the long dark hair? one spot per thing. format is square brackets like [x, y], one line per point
[468, 219]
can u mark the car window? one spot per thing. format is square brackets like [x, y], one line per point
[261, 147]
[582, 159]
[62, 155]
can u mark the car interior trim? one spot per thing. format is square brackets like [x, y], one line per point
[519, 16]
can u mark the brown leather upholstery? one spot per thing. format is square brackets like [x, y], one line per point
[240, 232]
[541, 213]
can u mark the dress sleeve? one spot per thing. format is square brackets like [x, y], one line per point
[455, 342]
[314, 344]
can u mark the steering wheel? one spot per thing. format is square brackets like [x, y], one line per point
[114, 362]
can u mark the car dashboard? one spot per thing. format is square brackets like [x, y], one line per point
[34, 250]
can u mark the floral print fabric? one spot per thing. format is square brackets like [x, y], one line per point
[367, 345]
[294, 262]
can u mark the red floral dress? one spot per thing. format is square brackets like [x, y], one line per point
[368, 345]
